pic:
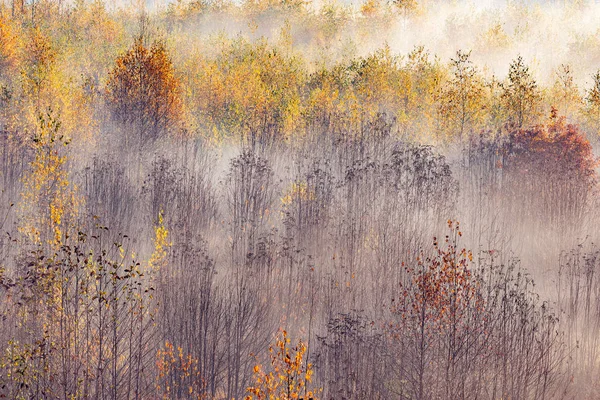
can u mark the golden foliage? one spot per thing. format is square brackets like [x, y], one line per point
[298, 190]
[38, 63]
[289, 375]
[462, 100]
[521, 95]
[252, 90]
[9, 45]
[591, 111]
[178, 374]
[564, 93]
[161, 245]
[49, 202]
[143, 91]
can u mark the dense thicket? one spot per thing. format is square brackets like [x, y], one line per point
[189, 212]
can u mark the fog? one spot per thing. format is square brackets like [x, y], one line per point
[214, 200]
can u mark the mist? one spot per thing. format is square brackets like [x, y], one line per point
[282, 199]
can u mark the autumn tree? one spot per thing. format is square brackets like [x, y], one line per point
[251, 90]
[40, 61]
[288, 377]
[553, 166]
[419, 86]
[178, 374]
[9, 46]
[435, 310]
[564, 92]
[521, 95]
[406, 7]
[376, 87]
[462, 98]
[454, 332]
[592, 104]
[84, 317]
[49, 202]
[144, 93]
[314, 171]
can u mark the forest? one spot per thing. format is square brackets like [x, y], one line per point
[293, 199]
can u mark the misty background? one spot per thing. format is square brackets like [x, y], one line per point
[401, 197]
